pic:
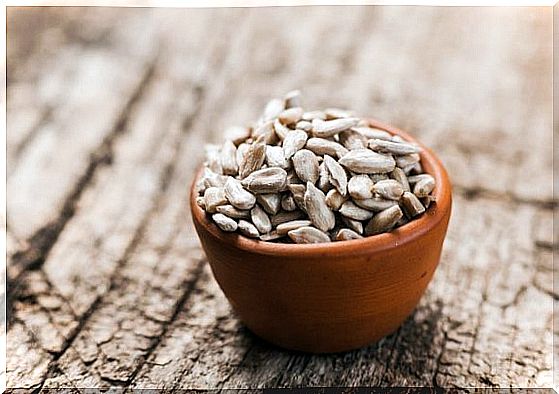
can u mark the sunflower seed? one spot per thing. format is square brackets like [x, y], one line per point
[389, 189]
[337, 113]
[329, 128]
[248, 229]
[334, 199]
[271, 236]
[428, 200]
[273, 109]
[352, 211]
[232, 212]
[375, 204]
[384, 221]
[253, 159]
[308, 235]
[298, 192]
[241, 151]
[372, 133]
[237, 134]
[360, 187]
[260, 220]
[286, 227]
[266, 180]
[321, 146]
[212, 179]
[291, 115]
[228, 158]
[417, 168]
[266, 132]
[304, 125]
[365, 161]
[284, 216]
[397, 148]
[324, 178]
[411, 205]
[270, 202]
[213, 197]
[292, 99]
[338, 177]
[351, 140]
[319, 213]
[398, 175]
[354, 225]
[288, 203]
[281, 130]
[213, 158]
[413, 179]
[237, 195]
[294, 140]
[275, 157]
[346, 234]
[407, 160]
[309, 116]
[424, 186]
[306, 166]
[225, 223]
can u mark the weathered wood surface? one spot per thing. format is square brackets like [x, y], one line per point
[108, 109]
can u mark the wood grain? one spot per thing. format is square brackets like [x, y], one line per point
[106, 116]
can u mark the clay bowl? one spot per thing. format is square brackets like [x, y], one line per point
[330, 297]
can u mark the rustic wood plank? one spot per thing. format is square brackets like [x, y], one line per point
[122, 298]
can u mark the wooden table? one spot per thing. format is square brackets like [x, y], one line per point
[108, 110]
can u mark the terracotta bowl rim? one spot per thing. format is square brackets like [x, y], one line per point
[405, 234]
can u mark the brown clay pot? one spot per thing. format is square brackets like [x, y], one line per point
[330, 297]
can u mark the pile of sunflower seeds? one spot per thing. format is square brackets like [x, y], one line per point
[308, 177]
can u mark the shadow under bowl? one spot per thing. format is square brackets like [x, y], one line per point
[330, 297]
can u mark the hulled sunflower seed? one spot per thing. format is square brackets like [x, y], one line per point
[375, 204]
[271, 236]
[308, 235]
[337, 113]
[413, 179]
[352, 211]
[424, 187]
[324, 178]
[288, 203]
[304, 125]
[213, 158]
[306, 165]
[407, 160]
[269, 202]
[334, 199]
[351, 140]
[228, 158]
[292, 99]
[411, 205]
[266, 132]
[283, 217]
[354, 225]
[286, 227]
[329, 128]
[298, 192]
[319, 213]
[225, 223]
[399, 175]
[248, 229]
[396, 148]
[294, 140]
[360, 187]
[321, 146]
[309, 116]
[338, 177]
[378, 177]
[345, 234]
[273, 109]
[291, 115]
[372, 133]
[384, 221]
[281, 130]
[232, 212]
[260, 220]
[266, 180]
[237, 195]
[212, 179]
[237, 134]
[213, 197]
[275, 157]
[428, 200]
[389, 189]
[252, 159]
[365, 161]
